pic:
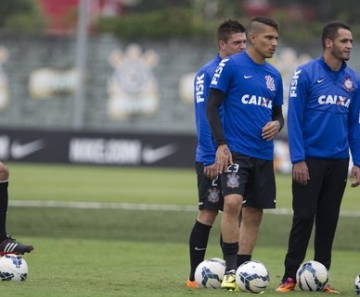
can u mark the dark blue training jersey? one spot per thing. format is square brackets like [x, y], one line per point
[251, 90]
[323, 115]
[206, 148]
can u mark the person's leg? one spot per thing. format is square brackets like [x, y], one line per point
[4, 182]
[233, 185]
[199, 237]
[230, 236]
[210, 201]
[260, 194]
[305, 199]
[8, 245]
[328, 210]
[230, 229]
[249, 229]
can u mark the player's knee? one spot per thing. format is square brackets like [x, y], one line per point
[207, 217]
[233, 205]
[4, 172]
[251, 214]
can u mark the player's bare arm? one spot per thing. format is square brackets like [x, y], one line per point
[300, 173]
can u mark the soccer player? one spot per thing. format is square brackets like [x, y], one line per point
[250, 91]
[8, 245]
[323, 122]
[231, 39]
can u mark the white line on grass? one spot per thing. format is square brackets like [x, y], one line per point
[137, 206]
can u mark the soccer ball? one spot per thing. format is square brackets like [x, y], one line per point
[252, 276]
[312, 276]
[209, 273]
[13, 267]
[357, 284]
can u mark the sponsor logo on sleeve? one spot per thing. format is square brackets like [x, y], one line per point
[293, 84]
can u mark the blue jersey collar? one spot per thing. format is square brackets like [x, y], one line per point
[327, 68]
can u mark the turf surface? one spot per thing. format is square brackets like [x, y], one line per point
[121, 252]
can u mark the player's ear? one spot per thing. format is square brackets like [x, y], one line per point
[251, 37]
[329, 43]
[221, 44]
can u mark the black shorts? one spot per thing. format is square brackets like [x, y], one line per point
[209, 191]
[252, 178]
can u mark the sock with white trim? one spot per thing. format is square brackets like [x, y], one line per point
[197, 245]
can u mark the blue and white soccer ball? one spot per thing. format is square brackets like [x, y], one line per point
[312, 276]
[357, 284]
[13, 267]
[209, 273]
[252, 276]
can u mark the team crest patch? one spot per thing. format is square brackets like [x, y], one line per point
[270, 83]
[348, 84]
[232, 181]
[213, 196]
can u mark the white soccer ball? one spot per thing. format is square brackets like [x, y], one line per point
[312, 276]
[252, 276]
[357, 284]
[209, 273]
[13, 267]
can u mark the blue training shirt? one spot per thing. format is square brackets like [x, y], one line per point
[206, 147]
[251, 90]
[323, 116]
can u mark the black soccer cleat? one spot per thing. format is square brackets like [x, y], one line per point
[11, 246]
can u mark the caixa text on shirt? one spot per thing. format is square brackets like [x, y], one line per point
[256, 100]
[334, 99]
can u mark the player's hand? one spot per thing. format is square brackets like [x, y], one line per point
[300, 173]
[211, 171]
[223, 158]
[355, 176]
[270, 130]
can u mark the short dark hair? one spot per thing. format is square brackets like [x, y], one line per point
[330, 31]
[227, 28]
[263, 20]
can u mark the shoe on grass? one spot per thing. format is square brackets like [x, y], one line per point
[286, 286]
[229, 282]
[329, 289]
[11, 246]
[192, 284]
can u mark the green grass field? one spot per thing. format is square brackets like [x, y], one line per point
[126, 252]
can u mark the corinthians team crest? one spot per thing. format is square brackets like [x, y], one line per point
[232, 181]
[213, 196]
[132, 89]
[270, 83]
[348, 84]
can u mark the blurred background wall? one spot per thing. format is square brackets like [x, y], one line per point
[127, 66]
